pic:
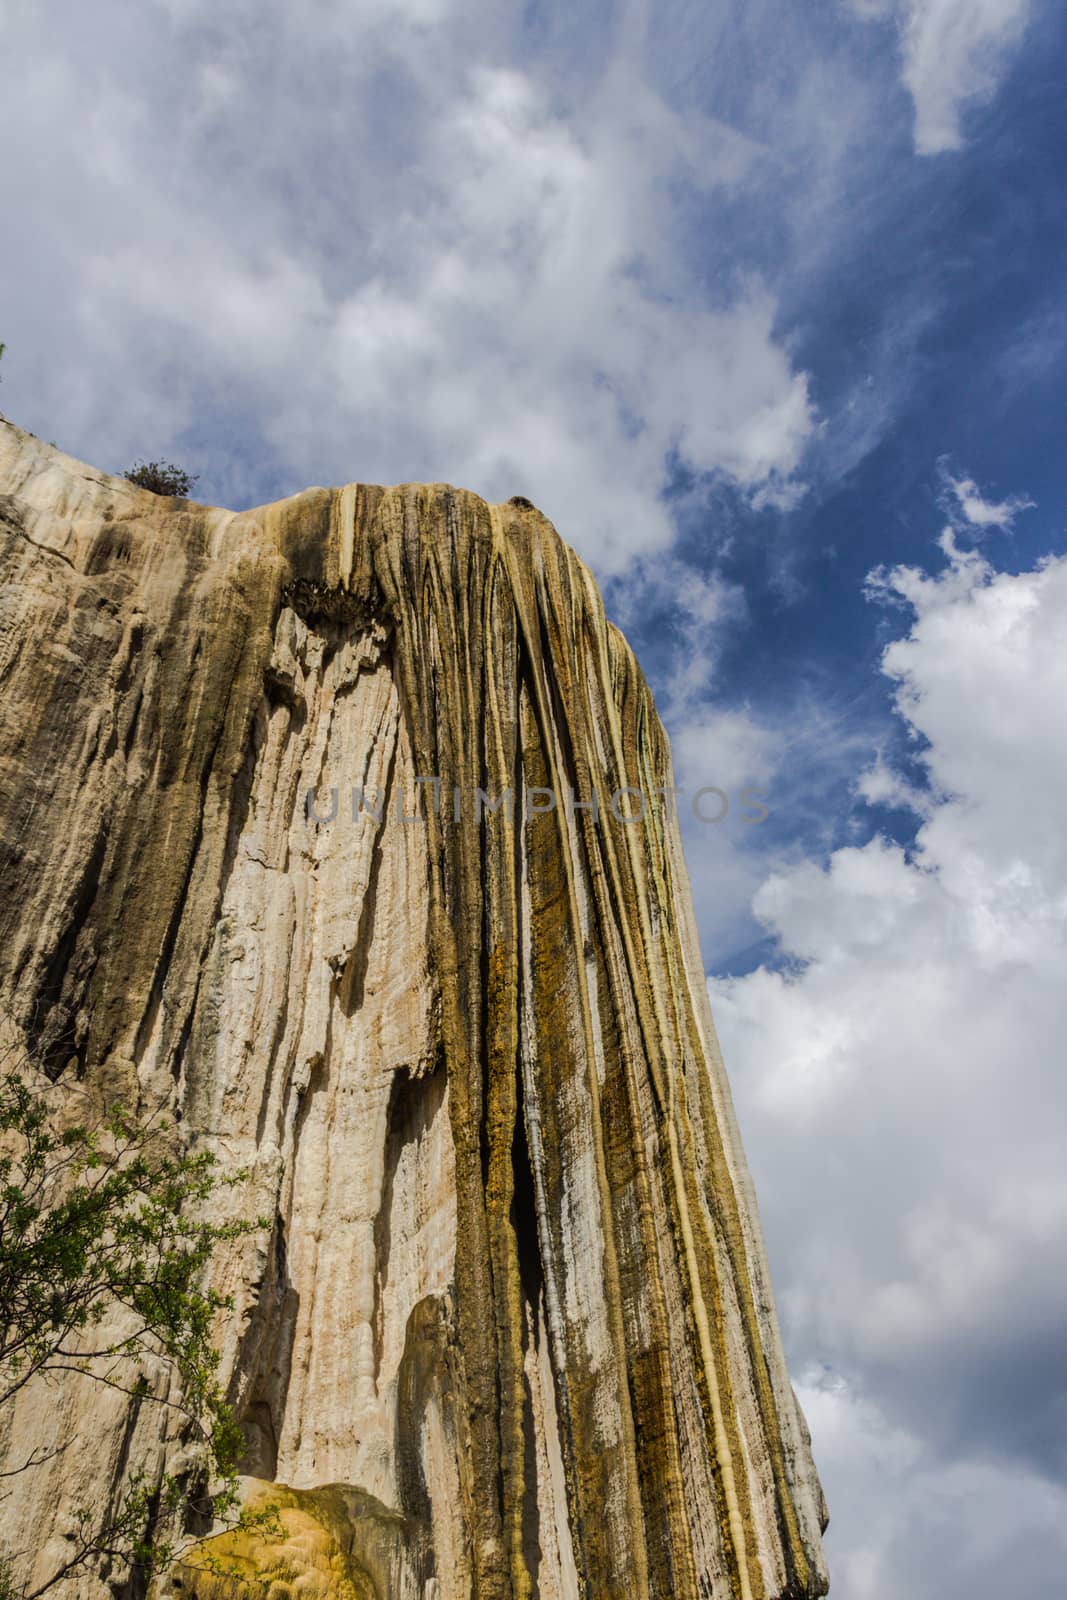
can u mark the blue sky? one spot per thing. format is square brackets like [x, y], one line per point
[763, 303]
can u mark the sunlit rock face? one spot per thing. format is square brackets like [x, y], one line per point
[506, 1330]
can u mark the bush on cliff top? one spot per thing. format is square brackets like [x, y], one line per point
[161, 477]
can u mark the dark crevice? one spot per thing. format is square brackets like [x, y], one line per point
[132, 1586]
[531, 1511]
[240, 796]
[54, 1039]
[162, 968]
[268, 1350]
[114, 544]
[532, 1278]
[418, 1380]
[317, 1081]
[136, 644]
[130, 735]
[178, 1058]
[413, 1105]
[352, 987]
[524, 1206]
[281, 692]
[485, 946]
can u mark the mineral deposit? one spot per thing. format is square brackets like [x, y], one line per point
[507, 1330]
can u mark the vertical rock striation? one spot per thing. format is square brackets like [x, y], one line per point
[510, 1333]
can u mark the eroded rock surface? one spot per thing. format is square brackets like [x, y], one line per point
[509, 1332]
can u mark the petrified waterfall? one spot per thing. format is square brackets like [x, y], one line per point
[507, 1330]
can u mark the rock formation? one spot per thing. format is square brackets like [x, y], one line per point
[510, 1332]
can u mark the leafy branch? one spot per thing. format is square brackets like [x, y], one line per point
[104, 1223]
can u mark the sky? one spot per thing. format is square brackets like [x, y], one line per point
[763, 304]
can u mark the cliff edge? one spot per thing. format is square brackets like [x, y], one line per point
[338, 825]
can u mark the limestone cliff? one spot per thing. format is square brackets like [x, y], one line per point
[511, 1331]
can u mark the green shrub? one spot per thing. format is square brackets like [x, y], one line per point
[161, 477]
[93, 1219]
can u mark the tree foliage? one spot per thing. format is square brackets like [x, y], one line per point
[103, 1251]
[162, 477]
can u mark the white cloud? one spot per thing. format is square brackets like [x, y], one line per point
[727, 748]
[383, 253]
[782, 772]
[881, 785]
[971, 510]
[437, 238]
[900, 1089]
[954, 53]
[920, 1526]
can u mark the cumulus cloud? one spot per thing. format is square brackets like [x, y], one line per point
[954, 53]
[375, 244]
[437, 238]
[899, 1080]
[906, 1509]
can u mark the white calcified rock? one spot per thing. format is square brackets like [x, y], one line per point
[507, 1330]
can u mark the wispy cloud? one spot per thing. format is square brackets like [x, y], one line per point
[953, 54]
[971, 510]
